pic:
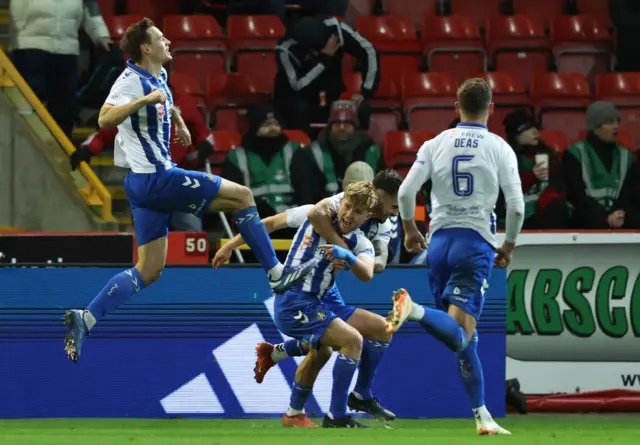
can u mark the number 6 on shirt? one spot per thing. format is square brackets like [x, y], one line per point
[462, 181]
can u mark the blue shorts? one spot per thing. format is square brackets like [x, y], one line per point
[333, 301]
[302, 316]
[155, 196]
[460, 264]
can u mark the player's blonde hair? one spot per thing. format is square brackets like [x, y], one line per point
[362, 194]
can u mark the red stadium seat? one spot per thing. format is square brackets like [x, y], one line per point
[561, 100]
[480, 10]
[581, 44]
[298, 136]
[107, 9]
[252, 41]
[453, 45]
[394, 37]
[197, 45]
[625, 139]
[357, 8]
[229, 95]
[428, 100]
[416, 10]
[623, 89]
[545, 10]
[223, 142]
[400, 147]
[118, 25]
[154, 9]
[185, 83]
[555, 139]
[518, 44]
[509, 94]
[598, 8]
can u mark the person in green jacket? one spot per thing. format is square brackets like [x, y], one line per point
[318, 170]
[601, 176]
[263, 162]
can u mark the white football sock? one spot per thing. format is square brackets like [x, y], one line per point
[482, 414]
[276, 272]
[88, 319]
[279, 353]
[417, 312]
[294, 412]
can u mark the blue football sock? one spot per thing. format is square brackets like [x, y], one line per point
[343, 372]
[117, 291]
[299, 396]
[372, 352]
[471, 372]
[294, 348]
[255, 235]
[445, 328]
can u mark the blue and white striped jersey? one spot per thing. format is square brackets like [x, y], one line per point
[143, 139]
[305, 246]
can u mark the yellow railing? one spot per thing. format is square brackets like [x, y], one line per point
[278, 244]
[96, 193]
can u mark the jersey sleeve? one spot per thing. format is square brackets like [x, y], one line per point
[384, 232]
[419, 174]
[335, 201]
[364, 248]
[123, 91]
[508, 175]
[298, 215]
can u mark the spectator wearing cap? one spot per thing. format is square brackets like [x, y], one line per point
[263, 162]
[540, 172]
[309, 76]
[318, 171]
[601, 175]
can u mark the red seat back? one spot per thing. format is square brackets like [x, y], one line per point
[545, 10]
[555, 139]
[479, 10]
[298, 136]
[400, 147]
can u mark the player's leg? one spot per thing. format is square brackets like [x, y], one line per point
[237, 197]
[372, 327]
[306, 375]
[268, 355]
[347, 341]
[151, 236]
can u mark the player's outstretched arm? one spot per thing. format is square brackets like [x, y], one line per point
[419, 173]
[113, 115]
[320, 217]
[510, 183]
[381, 250]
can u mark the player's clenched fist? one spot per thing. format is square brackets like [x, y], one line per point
[156, 97]
[222, 256]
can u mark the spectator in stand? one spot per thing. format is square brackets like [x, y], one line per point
[309, 77]
[193, 157]
[45, 49]
[317, 171]
[602, 177]
[625, 15]
[540, 172]
[263, 163]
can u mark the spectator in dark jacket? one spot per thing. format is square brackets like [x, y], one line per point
[602, 177]
[540, 172]
[309, 77]
[263, 162]
[317, 171]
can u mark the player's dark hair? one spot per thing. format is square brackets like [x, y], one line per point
[136, 35]
[474, 97]
[388, 180]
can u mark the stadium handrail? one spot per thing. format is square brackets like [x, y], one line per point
[96, 188]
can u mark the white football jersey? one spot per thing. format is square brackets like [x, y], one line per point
[143, 140]
[467, 166]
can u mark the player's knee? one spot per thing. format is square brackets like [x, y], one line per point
[244, 197]
[353, 345]
[150, 273]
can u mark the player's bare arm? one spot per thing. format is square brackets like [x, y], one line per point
[320, 218]
[183, 136]
[361, 266]
[113, 115]
[382, 253]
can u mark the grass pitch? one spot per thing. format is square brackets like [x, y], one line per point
[527, 430]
